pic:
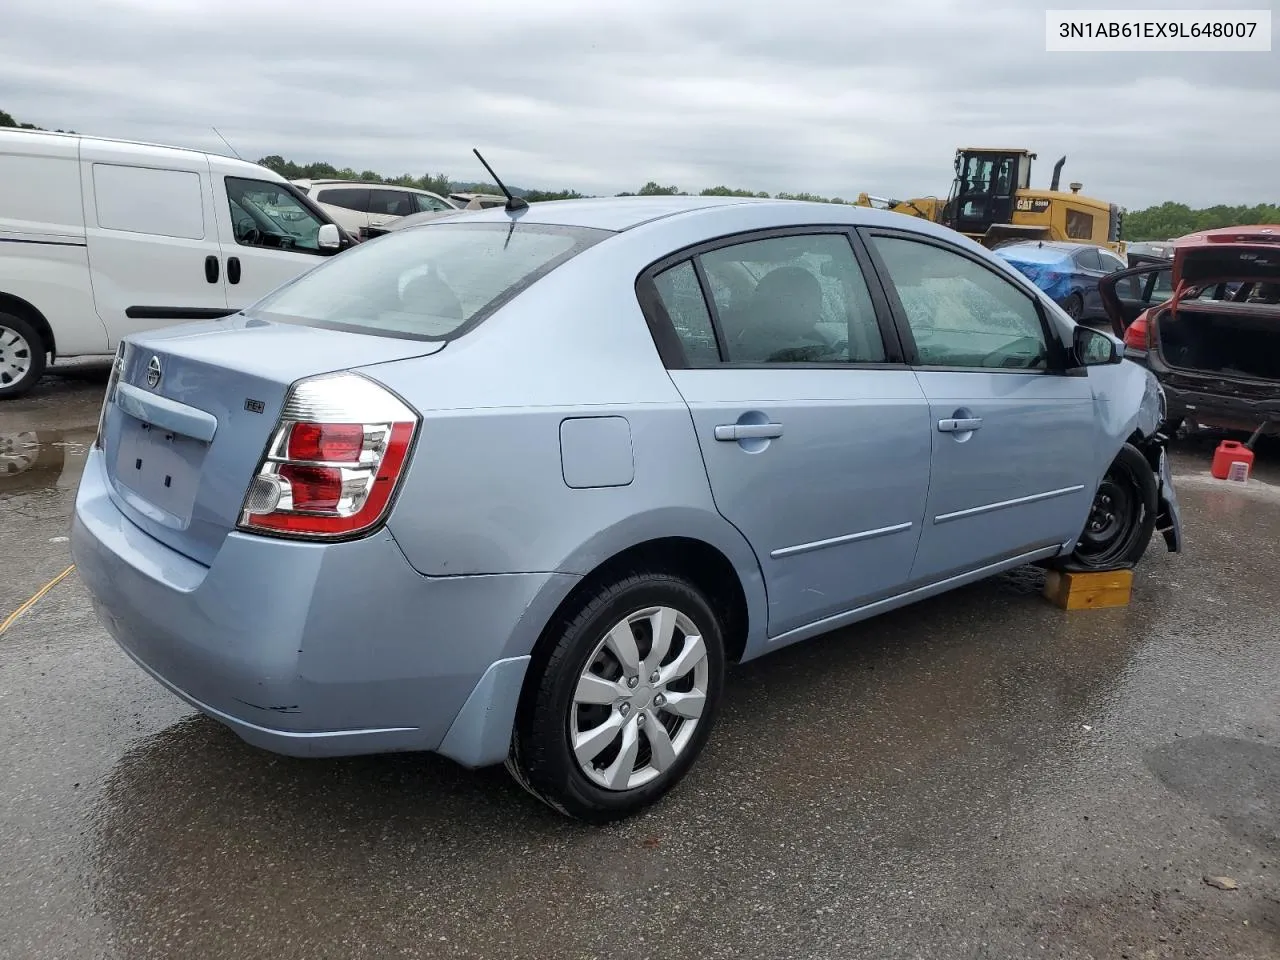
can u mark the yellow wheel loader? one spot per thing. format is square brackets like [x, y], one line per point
[992, 201]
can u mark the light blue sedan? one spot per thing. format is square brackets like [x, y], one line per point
[516, 485]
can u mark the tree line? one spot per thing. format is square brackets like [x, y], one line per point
[1161, 222]
[1170, 220]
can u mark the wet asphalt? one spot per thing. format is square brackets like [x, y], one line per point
[981, 775]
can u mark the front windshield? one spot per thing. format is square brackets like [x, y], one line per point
[431, 282]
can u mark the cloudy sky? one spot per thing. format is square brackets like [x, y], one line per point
[826, 96]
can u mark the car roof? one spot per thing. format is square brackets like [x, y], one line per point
[1066, 246]
[620, 213]
[358, 183]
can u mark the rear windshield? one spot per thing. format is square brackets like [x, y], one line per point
[432, 282]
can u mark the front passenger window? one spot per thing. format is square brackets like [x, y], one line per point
[267, 214]
[428, 204]
[960, 313]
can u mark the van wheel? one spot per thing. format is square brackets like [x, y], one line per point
[624, 704]
[22, 356]
[1122, 516]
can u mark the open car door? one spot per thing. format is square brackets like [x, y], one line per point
[1127, 293]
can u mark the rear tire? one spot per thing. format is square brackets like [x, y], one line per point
[639, 712]
[22, 356]
[1074, 305]
[1121, 519]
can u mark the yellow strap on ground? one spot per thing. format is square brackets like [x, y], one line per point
[33, 600]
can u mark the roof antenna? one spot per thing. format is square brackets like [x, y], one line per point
[224, 140]
[513, 202]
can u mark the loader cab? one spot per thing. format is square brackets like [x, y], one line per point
[986, 186]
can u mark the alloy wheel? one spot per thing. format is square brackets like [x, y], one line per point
[639, 698]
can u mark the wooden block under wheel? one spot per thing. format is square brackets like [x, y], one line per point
[1089, 590]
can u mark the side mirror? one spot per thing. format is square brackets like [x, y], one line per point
[1095, 349]
[328, 238]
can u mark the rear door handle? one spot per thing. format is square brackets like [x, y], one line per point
[748, 431]
[952, 425]
[211, 268]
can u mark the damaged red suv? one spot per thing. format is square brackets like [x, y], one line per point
[1207, 324]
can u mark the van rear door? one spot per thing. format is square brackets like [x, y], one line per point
[154, 256]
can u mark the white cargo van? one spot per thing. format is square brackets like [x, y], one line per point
[101, 238]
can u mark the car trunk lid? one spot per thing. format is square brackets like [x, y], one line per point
[189, 415]
[1245, 254]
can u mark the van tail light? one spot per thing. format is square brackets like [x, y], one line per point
[1138, 334]
[334, 461]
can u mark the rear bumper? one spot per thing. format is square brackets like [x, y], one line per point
[1216, 409]
[317, 649]
[1208, 402]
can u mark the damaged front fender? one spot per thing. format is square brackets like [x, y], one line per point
[1153, 441]
[1133, 409]
[1168, 514]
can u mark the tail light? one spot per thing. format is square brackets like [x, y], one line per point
[334, 461]
[108, 398]
[1138, 335]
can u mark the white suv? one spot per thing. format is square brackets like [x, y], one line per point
[358, 206]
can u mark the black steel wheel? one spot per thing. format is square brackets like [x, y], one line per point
[1122, 516]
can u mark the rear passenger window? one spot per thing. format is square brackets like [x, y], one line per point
[395, 203]
[163, 203]
[793, 299]
[681, 295]
[1088, 259]
[347, 198]
[960, 313]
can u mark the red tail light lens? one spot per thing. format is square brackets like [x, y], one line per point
[334, 461]
[313, 488]
[340, 442]
[1137, 335]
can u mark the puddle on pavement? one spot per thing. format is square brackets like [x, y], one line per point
[35, 460]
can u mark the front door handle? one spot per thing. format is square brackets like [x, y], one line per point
[748, 431]
[233, 269]
[955, 425]
[211, 268]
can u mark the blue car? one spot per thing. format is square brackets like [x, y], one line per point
[1067, 272]
[515, 485]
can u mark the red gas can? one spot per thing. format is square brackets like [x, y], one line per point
[1232, 461]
